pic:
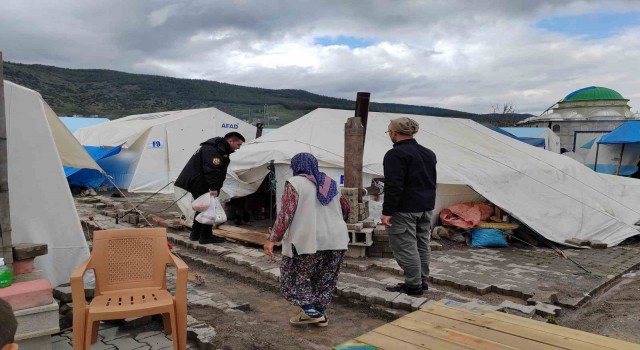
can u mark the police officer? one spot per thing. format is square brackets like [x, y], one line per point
[205, 172]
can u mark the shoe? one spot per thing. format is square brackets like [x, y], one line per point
[212, 239]
[303, 318]
[425, 286]
[323, 323]
[402, 288]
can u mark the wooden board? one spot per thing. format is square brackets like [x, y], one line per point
[441, 326]
[242, 235]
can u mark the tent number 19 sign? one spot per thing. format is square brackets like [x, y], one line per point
[156, 144]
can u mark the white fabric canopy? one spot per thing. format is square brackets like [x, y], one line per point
[554, 195]
[156, 146]
[42, 209]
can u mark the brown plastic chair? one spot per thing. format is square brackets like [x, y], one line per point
[130, 269]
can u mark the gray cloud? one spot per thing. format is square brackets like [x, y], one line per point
[460, 54]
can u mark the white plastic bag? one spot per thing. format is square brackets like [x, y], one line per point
[214, 215]
[202, 203]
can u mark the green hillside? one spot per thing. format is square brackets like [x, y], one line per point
[116, 94]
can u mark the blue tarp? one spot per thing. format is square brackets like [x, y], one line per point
[75, 123]
[90, 177]
[628, 132]
[533, 141]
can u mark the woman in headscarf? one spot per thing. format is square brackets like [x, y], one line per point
[311, 225]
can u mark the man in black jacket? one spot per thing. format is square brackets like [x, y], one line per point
[409, 198]
[205, 172]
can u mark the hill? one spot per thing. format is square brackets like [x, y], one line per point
[115, 94]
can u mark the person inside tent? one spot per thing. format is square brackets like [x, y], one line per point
[8, 327]
[205, 172]
[313, 217]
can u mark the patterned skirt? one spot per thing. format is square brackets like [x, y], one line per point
[310, 278]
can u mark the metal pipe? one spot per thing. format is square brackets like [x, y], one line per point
[6, 250]
[595, 166]
[362, 110]
[620, 161]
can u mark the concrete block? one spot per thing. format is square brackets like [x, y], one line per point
[577, 242]
[27, 295]
[22, 266]
[22, 251]
[37, 321]
[543, 296]
[524, 309]
[435, 245]
[369, 223]
[362, 238]
[597, 244]
[217, 249]
[415, 305]
[273, 274]
[477, 287]
[202, 333]
[355, 227]
[356, 251]
[546, 310]
[406, 302]
[63, 293]
[100, 206]
[25, 277]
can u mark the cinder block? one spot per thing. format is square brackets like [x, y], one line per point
[37, 321]
[22, 266]
[543, 296]
[26, 295]
[356, 251]
[547, 310]
[22, 251]
[63, 293]
[355, 227]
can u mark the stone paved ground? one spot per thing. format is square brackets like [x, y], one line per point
[489, 275]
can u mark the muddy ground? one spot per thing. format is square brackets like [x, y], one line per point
[615, 313]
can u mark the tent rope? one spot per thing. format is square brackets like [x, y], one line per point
[133, 207]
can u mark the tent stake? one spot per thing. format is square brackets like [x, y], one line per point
[595, 166]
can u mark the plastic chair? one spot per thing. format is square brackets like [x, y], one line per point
[130, 270]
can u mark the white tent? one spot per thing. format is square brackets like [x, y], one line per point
[42, 209]
[554, 195]
[609, 158]
[156, 146]
[551, 139]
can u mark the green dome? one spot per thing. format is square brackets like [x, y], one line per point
[593, 93]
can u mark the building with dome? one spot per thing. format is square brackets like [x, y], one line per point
[583, 116]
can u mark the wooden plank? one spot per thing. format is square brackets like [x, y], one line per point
[243, 235]
[424, 339]
[596, 339]
[382, 342]
[510, 328]
[606, 342]
[489, 335]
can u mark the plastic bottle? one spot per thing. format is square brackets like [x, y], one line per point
[6, 274]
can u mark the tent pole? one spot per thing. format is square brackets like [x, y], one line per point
[620, 161]
[6, 251]
[595, 166]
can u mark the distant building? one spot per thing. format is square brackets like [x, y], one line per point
[583, 116]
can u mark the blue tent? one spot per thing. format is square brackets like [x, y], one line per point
[75, 123]
[90, 177]
[628, 132]
[533, 141]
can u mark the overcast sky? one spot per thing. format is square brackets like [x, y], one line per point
[464, 55]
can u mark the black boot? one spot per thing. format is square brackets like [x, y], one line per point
[196, 228]
[206, 236]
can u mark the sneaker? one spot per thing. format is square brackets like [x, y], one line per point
[303, 318]
[212, 239]
[402, 288]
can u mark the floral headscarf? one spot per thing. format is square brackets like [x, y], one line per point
[305, 164]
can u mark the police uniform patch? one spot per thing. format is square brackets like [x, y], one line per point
[216, 161]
